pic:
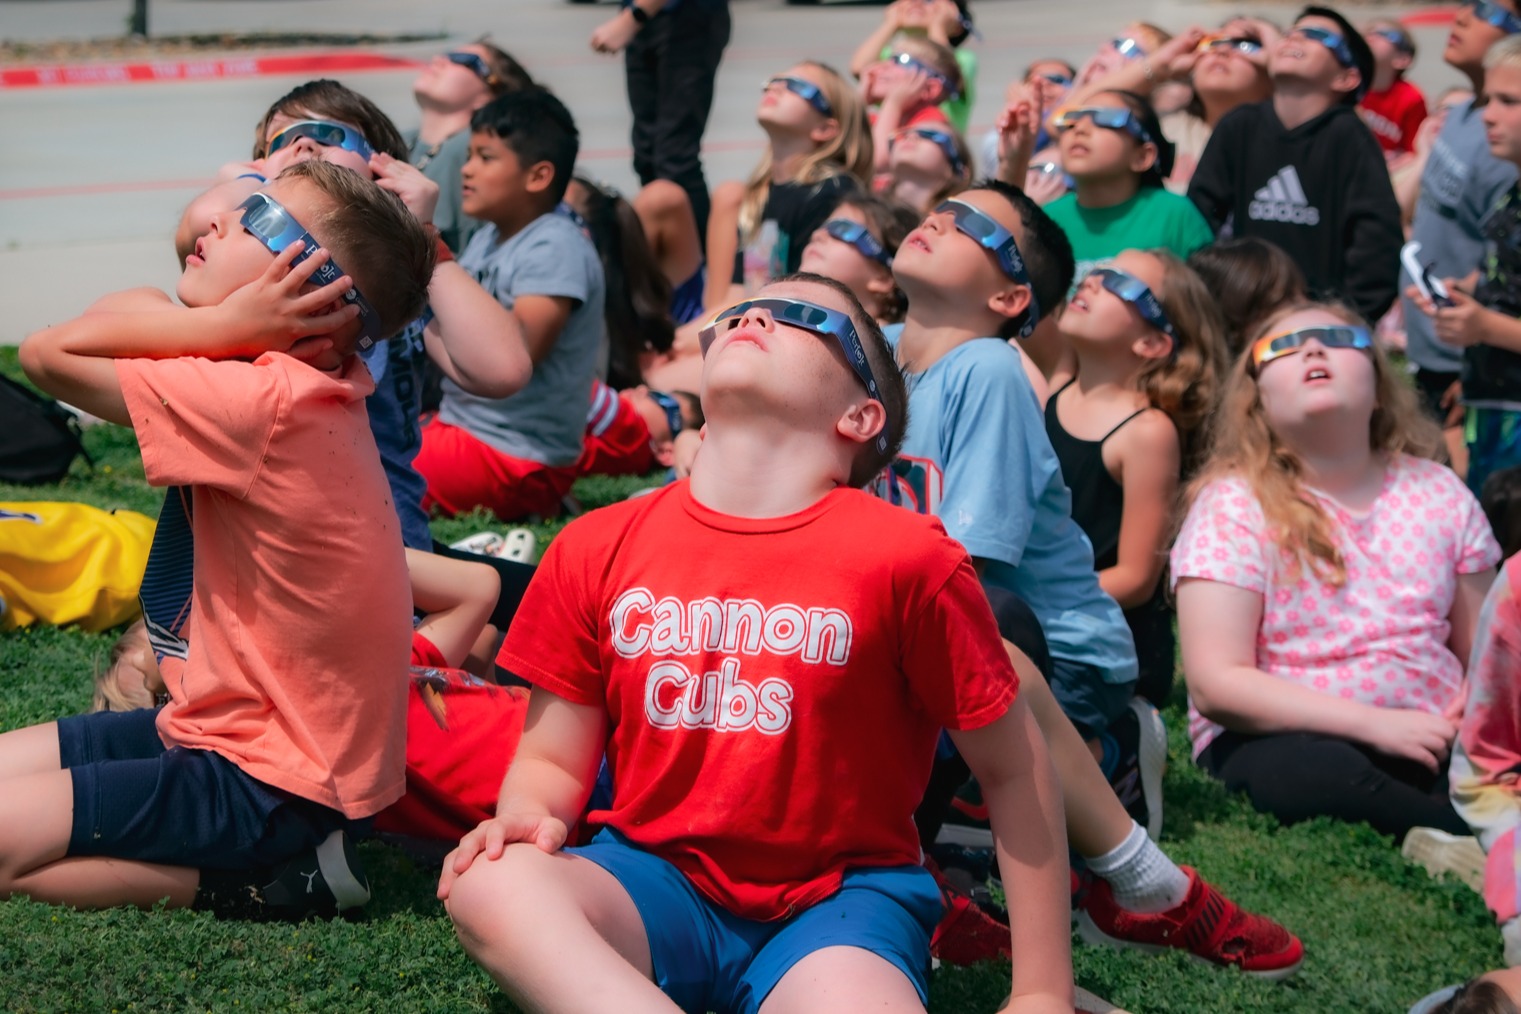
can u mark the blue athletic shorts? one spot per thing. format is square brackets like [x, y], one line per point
[133, 799]
[707, 959]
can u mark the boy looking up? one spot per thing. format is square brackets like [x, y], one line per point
[977, 271]
[1303, 171]
[277, 735]
[1392, 107]
[516, 456]
[767, 756]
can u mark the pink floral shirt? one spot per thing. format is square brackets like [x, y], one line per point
[1381, 637]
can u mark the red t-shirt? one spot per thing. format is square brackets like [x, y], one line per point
[1394, 115]
[774, 686]
[617, 439]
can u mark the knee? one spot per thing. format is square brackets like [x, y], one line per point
[660, 199]
[487, 902]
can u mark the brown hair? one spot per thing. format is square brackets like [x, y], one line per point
[884, 368]
[890, 222]
[374, 238]
[932, 53]
[507, 75]
[1478, 997]
[1245, 447]
[848, 152]
[1250, 278]
[329, 100]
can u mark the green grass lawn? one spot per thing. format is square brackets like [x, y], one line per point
[1378, 933]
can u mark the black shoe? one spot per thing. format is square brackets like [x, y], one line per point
[324, 881]
[1139, 742]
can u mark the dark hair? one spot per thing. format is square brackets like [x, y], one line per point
[1500, 497]
[1362, 56]
[329, 100]
[1477, 997]
[890, 222]
[374, 238]
[692, 415]
[965, 27]
[884, 367]
[1167, 152]
[1045, 248]
[507, 75]
[1250, 278]
[537, 127]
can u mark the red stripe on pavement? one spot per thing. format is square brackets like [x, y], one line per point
[196, 70]
[1430, 16]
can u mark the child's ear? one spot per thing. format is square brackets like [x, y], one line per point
[1144, 158]
[540, 177]
[1011, 301]
[1346, 81]
[863, 421]
[1153, 345]
[825, 132]
[1400, 62]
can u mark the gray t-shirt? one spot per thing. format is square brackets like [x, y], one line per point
[441, 163]
[1460, 184]
[544, 421]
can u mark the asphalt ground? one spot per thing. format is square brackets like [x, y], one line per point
[93, 177]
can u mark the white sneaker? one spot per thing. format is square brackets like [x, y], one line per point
[481, 544]
[519, 546]
[1440, 853]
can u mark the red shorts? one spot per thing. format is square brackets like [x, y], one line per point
[464, 473]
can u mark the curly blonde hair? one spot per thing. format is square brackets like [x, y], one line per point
[1244, 446]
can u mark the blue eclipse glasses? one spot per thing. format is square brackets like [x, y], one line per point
[910, 62]
[859, 237]
[1130, 49]
[998, 241]
[1138, 294]
[267, 220]
[1329, 39]
[325, 133]
[1396, 38]
[1288, 343]
[672, 409]
[942, 140]
[1246, 47]
[1496, 15]
[811, 317]
[474, 61]
[805, 90]
[1108, 117]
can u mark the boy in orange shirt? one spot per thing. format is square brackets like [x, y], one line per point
[236, 796]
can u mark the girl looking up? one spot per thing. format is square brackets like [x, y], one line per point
[856, 246]
[927, 164]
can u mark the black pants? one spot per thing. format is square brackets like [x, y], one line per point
[670, 68]
[1018, 625]
[1296, 776]
[1430, 386]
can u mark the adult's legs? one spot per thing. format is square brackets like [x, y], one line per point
[555, 932]
[1297, 776]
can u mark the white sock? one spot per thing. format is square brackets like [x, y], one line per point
[1141, 876]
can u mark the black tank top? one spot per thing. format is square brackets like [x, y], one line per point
[1098, 502]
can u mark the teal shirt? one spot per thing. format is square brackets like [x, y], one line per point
[1152, 218]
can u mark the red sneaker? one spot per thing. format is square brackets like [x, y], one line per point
[966, 933]
[1207, 925]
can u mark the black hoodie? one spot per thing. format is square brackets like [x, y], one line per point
[1321, 191]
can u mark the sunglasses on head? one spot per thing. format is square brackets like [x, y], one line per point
[945, 142]
[1138, 294]
[819, 320]
[998, 241]
[268, 221]
[805, 90]
[858, 236]
[1332, 336]
[1108, 117]
[474, 61]
[325, 133]
[1244, 46]
[1130, 49]
[914, 63]
[1496, 16]
[1329, 39]
[672, 409]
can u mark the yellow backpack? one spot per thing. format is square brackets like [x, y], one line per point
[66, 563]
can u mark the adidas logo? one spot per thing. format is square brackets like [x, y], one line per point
[1283, 200]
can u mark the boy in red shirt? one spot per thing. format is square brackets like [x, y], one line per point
[1393, 108]
[769, 700]
[237, 794]
[631, 432]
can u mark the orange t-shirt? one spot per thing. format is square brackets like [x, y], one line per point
[300, 623]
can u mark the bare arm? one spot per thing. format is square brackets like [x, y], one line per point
[476, 341]
[723, 243]
[1467, 603]
[1149, 470]
[1010, 760]
[870, 49]
[457, 596]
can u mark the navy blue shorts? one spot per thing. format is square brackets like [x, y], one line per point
[133, 799]
[708, 959]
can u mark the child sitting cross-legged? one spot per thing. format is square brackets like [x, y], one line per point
[715, 676]
[253, 398]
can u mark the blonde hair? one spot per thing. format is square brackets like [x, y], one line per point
[1186, 384]
[109, 694]
[1245, 447]
[1505, 53]
[849, 151]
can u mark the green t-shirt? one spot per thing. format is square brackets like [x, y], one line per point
[1152, 218]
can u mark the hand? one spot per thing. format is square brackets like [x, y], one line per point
[272, 313]
[1413, 735]
[943, 21]
[491, 838]
[1464, 323]
[1452, 401]
[406, 181]
[615, 33]
[907, 14]
[1019, 123]
[1174, 60]
[903, 89]
[1044, 187]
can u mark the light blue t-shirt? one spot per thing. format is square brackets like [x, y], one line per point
[544, 421]
[977, 457]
